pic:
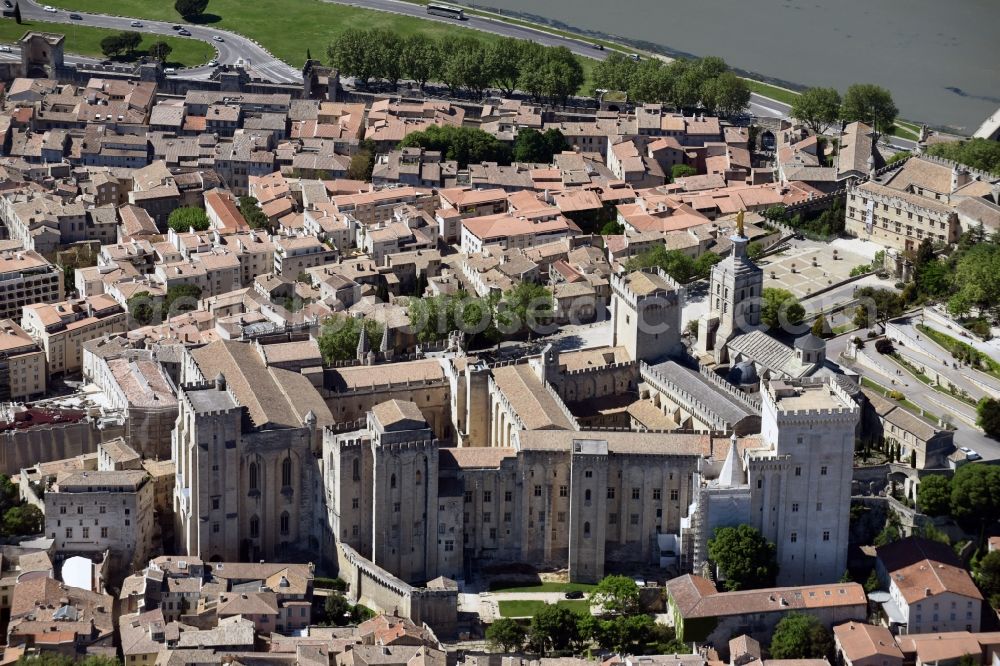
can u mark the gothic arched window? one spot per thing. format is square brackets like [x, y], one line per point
[285, 520]
[286, 472]
[254, 527]
[392, 481]
[254, 477]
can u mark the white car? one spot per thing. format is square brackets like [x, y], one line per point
[50, 9]
[218, 38]
[6, 49]
[213, 63]
[136, 24]
[970, 454]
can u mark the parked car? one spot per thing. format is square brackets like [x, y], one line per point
[970, 454]
[50, 9]
[76, 17]
[634, 56]
[599, 47]
[136, 24]
[574, 594]
[6, 49]
[213, 63]
[177, 27]
[8, 4]
[170, 70]
[218, 38]
[184, 33]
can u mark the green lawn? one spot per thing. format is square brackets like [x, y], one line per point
[86, 40]
[527, 608]
[291, 27]
[542, 587]
[774, 92]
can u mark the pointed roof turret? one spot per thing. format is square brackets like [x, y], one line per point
[363, 345]
[384, 346]
[732, 470]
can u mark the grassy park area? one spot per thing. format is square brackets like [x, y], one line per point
[86, 40]
[528, 608]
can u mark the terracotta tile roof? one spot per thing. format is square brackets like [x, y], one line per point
[858, 640]
[696, 597]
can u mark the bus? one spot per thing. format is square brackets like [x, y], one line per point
[444, 10]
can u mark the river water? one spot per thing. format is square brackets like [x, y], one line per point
[940, 58]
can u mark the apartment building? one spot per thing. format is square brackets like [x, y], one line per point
[62, 328]
[27, 278]
[293, 256]
[929, 588]
[95, 511]
[372, 208]
[22, 364]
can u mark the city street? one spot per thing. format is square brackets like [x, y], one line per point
[233, 49]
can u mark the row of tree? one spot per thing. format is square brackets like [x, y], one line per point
[621, 627]
[706, 83]
[971, 496]
[966, 276]
[252, 213]
[864, 102]
[470, 145]
[678, 265]
[484, 321]
[462, 63]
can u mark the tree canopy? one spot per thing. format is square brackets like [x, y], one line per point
[800, 636]
[988, 416]
[465, 145]
[124, 42]
[181, 298]
[705, 84]
[506, 635]
[141, 308]
[617, 595]
[780, 308]
[160, 50]
[744, 557]
[538, 147]
[338, 339]
[252, 213]
[817, 107]
[185, 218]
[553, 628]
[934, 495]
[870, 104]
[463, 62]
[678, 265]
[190, 9]
[981, 154]
[977, 278]
[975, 493]
[987, 572]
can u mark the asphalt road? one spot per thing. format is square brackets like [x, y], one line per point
[232, 49]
